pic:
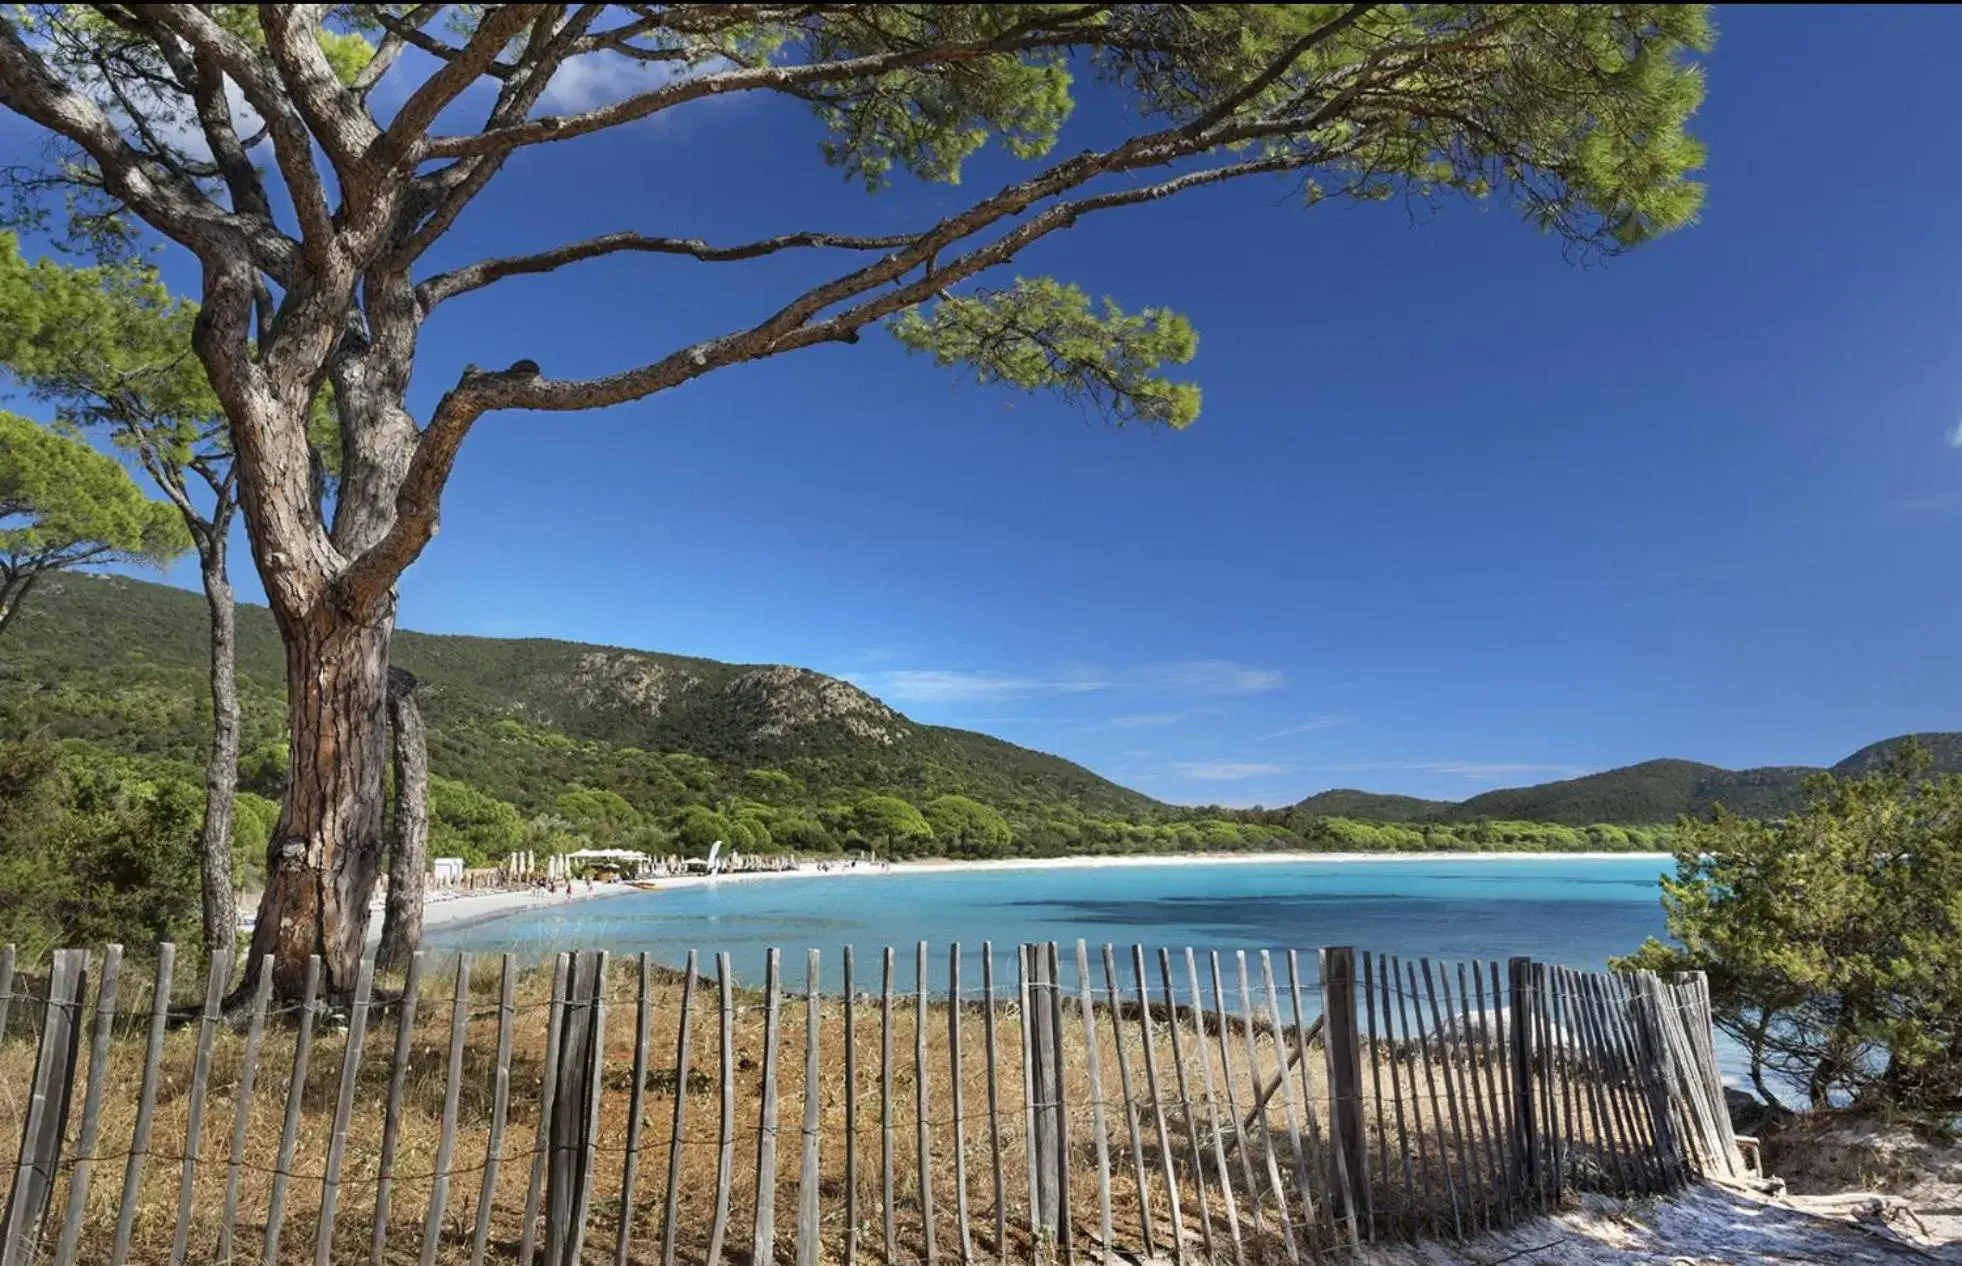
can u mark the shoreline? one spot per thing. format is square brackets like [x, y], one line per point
[458, 911]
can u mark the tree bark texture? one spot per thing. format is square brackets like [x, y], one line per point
[408, 842]
[325, 853]
[13, 591]
[221, 766]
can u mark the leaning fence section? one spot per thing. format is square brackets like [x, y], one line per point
[1037, 1103]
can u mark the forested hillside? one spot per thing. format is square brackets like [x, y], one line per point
[544, 744]
[1653, 791]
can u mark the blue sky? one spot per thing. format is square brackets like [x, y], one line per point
[1458, 513]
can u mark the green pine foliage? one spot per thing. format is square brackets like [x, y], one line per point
[99, 847]
[1833, 939]
[65, 505]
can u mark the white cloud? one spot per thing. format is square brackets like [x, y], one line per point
[950, 685]
[1140, 720]
[599, 79]
[186, 135]
[1326, 721]
[1200, 677]
[1228, 770]
[1955, 436]
[1212, 677]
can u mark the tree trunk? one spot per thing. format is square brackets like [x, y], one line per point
[13, 591]
[221, 767]
[408, 842]
[325, 853]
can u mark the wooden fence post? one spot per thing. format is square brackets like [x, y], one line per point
[1045, 1095]
[289, 1134]
[1526, 1138]
[725, 1139]
[217, 975]
[398, 1075]
[242, 1107]
[330, 1182]
[807, 1174]
[851, 1115]
[676, 1138]
[922, 1103]
[1339, 1040]
[146, 1104]
[1099, 1136]
[47, 1108]
[439, 1193]
[1652, 1073]
[573, 1102]
[85, 1146]
[500, 1105]
[994, 1098]
[636, 1097]
[959, 1099]
[541, 1144]
[764, 1227]
[1130, 1102]
[6, 986]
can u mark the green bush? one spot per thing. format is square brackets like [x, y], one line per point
[1833, 939]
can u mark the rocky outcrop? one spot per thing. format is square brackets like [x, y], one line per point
[784, 700]
[613, 678]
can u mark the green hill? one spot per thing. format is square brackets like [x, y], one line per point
[1371, 806]
[121, 663]
[625, 745]
[1655, 791]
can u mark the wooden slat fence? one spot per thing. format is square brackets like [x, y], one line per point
[1245, 1107]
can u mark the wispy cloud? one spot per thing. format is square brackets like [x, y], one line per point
[601, 78]
[1181, 679]
[1212, 677]
[1139, 721]
[1459, 768]
[949, 685]
[1955, 436]
[1326, 721]
[1228, 770]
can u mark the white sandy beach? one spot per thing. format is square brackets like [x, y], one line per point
[470, 909]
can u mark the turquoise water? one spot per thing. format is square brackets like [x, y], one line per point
[1574, 911]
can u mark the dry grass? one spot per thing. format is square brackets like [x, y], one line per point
[1480, 1175]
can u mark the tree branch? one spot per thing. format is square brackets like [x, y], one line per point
[521, 387]
[292, 144]
[498, 28]
[476, 276]
[408, 30]
[761, 340]
[441, 196]
[173, 204]
[389, 51]
[332, 113]
[560, 127]
[1279, 67]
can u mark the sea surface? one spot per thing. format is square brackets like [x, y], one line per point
[1573, 911]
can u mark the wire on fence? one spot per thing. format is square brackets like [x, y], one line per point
[1493, 1101]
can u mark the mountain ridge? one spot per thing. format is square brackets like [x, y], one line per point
[1653, 791]
[104, 656]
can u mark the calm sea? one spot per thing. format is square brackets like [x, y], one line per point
[1575, 911]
